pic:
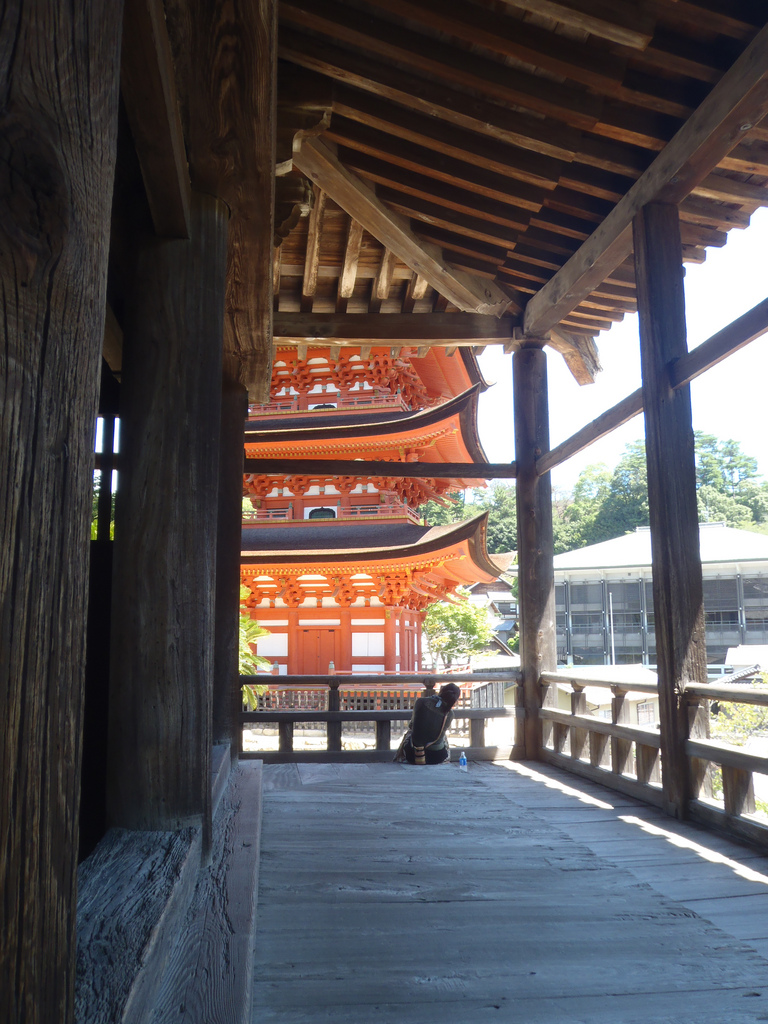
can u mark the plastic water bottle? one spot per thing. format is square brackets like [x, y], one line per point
[463, 762]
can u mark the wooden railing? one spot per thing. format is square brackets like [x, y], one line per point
[359, 699]
[737, 766]
[614, 753]
[627, 757]
[392, 510]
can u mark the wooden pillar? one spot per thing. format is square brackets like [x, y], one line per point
[390, 642]
[345, 657]
[165, 531]
[538, 652]
[59, 97]
[677, 586]
[226, 689]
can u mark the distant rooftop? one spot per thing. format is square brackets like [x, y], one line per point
[718, 543]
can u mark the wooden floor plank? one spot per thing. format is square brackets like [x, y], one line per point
[405, 894]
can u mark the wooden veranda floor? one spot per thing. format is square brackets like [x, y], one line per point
[513, 893]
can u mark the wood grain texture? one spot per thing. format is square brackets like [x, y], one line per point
[740, 97]
[226, 58]
[359, 201]
[677, 584]
[58, 126]
[536, 580]
[209, 976]
[133, 894]
[148, 88]
[165, 534]
[513, 892]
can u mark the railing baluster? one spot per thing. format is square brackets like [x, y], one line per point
[738, 791]
[579, 737]
[621, 749]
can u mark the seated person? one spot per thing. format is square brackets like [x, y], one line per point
[425, 741]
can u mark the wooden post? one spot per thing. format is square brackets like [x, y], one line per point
[226, 690]
[677, 586]
[538, 652]
[621, 749]
[579, 737]
[165, 536]
[333, 731]
[383, 735]
[59, 98]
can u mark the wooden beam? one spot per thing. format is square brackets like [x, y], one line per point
[148, 87]
[736, 103]
[312, 255]
[753, 324]
[677, 580]
[348, 273]
[608, 421]
[364, 468]
[465, 291]
[507, 84]
[617, 23]
[579, 352]
[389, 328]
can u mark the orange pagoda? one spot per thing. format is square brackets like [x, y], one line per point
[341, 570]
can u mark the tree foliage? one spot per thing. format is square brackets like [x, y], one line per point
[606, 503]
[453, 632]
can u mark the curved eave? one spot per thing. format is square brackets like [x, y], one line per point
[402, 428]
[427, 542]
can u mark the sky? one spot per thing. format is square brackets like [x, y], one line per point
[729, 401]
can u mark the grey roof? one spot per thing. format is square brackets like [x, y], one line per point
[341, 426]
[347, 540]
[718, 543]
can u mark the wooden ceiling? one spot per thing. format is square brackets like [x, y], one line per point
[442, 156]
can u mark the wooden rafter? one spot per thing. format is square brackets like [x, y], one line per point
[465, 291]
[615, 22]
[739, 99]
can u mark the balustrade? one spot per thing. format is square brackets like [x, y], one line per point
[356, 701]
[627, 757]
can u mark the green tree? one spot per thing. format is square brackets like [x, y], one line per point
[435, 514]
[500, 502]
[735, 723]
[454, 631]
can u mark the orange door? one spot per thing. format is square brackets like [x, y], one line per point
[318, 648]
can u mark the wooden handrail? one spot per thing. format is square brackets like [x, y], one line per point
[732, 694]
[709, 750]
[636, 734]
[424, 679]
[302, 715]
[579, 681]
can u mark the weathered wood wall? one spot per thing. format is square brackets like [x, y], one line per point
[58, 96]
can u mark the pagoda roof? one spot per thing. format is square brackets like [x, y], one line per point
[342, 541]
[446, 432]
